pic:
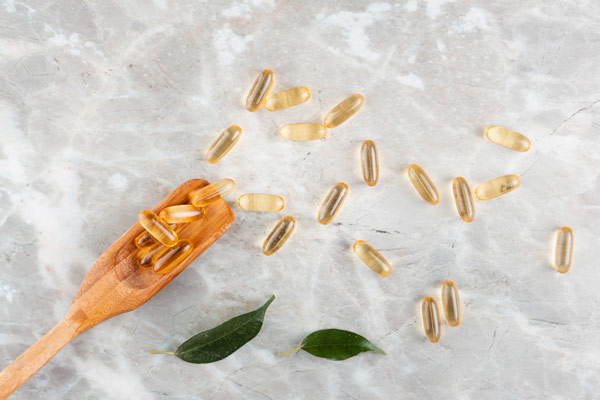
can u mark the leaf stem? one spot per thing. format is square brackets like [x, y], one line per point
[289, 352]
[160, 352]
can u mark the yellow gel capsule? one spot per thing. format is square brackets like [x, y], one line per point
[224, 142]
[344, 110]
[261, 202]
[431, 319]
[168, 258]
[158, 228]
[279, 235]
[369, 162]
[463, 198]
[208, 194]
[451, 303]
[287, 98]
[372, 258]
[563, 252]
[181, 214]
[145, 239]
[424, 185]
[507, 138]
[496, 187]
[260, 89]
[144, 255]
[332, 203]
[300, 132]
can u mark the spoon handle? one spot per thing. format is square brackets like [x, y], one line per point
[34, 358]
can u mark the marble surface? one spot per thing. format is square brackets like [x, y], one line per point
[107, 106]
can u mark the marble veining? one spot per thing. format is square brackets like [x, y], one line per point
[105, 107]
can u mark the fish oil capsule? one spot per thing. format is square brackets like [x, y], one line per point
[372, 258]
[507, 138]
[261, 202]
[223, 143]
[279, 235]
[301, 132]
[424, 185]
[431, 319]
[332, 203]
[260, 89]
[563, 252]
[287, 98]
[168, 258]
[344, 110]
[369, 162]
[209, 193]
[158, 228]
[145, 239]
[451, 303]
[144, 255]
[496, 187]
[182, 214]
[463, 198]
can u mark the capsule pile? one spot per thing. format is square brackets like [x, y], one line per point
[161, 248]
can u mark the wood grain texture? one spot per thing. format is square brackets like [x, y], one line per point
[115, 284]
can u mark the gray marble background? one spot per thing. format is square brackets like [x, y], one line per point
[105, 107]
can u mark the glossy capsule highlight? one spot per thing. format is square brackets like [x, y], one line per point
[145, 239]
[279, 235]
[507, 138]
[223, 144]
[451, 303]
[372, 258]
[497, 187]
[463, 198]
[431, 319]
[423, 184]
[261, 202]
[287, 98]
[332, 203]
[301, 132]
[259, 91]
[563, 250]
[369, 162]
[182, 214]
[209, 193]
[157, 227]
[344, 110]
[144, 255]
[167, 258]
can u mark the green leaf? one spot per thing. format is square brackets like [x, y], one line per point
[336, 344]
[217, 343]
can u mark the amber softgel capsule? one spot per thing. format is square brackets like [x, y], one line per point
[279, 235]
[167, 258]
[344, 110]
[261, 202]
[507, 138]
[431, 319]
[287, 98]
[451, 303]
[145, 239]
[463, 198]
[181, 214]
[223, 144]
[332, 203]
[563, 249]
[372, 258]
[423, 184]
[158, 228]
[259, 91]
[369, 162]
[497, 187]
[209, 193]
[303, 131]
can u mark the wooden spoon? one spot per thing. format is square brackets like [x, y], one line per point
[115, 284]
